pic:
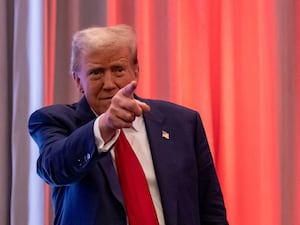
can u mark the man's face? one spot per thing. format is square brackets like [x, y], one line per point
[103, 74]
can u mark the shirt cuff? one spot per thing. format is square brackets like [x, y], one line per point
[101, 146]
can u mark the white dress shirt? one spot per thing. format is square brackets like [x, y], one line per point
[137, 138]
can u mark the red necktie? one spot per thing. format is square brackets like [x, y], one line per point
[138, 201]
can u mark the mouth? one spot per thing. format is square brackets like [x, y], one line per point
[106, 98]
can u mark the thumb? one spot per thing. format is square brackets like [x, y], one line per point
[145, 107]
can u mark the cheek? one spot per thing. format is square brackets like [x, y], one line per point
[93, 87]
[127, 79]
[122, 83]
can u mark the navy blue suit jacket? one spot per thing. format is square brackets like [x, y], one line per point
[85, 187]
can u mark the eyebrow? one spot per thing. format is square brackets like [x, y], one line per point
[91, 69]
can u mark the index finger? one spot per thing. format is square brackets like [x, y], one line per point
[129, 89]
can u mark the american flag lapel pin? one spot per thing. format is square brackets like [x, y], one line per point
[165, 134]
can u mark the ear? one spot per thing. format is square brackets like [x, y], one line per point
[78, 82]
[136, 71]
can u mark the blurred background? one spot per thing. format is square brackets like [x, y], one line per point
[237, 62]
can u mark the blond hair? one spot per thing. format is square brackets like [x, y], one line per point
[94, 39]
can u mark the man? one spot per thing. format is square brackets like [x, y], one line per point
[78, 144]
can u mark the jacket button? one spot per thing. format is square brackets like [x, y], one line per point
[87, 157]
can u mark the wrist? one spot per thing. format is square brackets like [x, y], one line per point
[107, 132]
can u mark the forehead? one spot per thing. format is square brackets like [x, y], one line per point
[107, 56]
[109, 52]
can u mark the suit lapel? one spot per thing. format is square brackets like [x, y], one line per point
[111, 176]
[164, 162]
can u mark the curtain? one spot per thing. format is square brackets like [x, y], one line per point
[235, 62]
[5, 114]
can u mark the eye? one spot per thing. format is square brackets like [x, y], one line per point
[96, 72]
[118, 70]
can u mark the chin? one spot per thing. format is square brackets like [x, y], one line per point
[102, 108]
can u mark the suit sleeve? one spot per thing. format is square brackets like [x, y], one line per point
[66, 152]
[212, 207]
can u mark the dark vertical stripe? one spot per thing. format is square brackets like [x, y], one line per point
[287, 97]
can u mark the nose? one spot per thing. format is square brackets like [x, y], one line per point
[108, 81]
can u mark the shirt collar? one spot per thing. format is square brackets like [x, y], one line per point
[137, 123]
